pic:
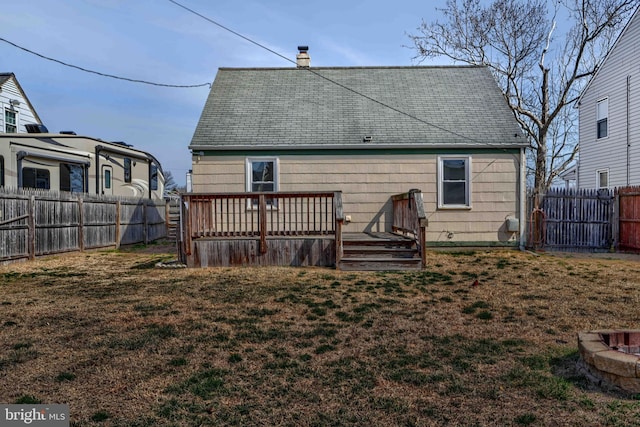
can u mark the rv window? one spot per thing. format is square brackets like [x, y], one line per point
[154, 177]
[36, 178]
[107, 178]
[71, 178]
[127, 169]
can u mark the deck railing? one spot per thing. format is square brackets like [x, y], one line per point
[261, 214]
[409, 218]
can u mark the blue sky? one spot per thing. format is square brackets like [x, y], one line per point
[155, 40]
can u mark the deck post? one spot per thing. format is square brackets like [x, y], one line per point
[262, 216]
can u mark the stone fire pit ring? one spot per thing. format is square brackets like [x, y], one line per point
[613, 356]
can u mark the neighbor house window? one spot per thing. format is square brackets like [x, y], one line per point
[127, 169]
[602, 178]
[36, 178]
[10, 121]
[71, 178]
[454, 183]
[262, 176]
[154, 177]
[603, 118]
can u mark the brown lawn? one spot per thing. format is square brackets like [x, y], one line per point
[124, 343]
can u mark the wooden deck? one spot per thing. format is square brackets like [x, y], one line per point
[296, 229]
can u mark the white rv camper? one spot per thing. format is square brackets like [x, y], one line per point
[67, 162]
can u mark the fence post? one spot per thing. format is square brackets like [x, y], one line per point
[615, 221]
[81, 224]
[118, 234]
[31, 234]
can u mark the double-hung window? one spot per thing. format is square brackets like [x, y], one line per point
[262, 176]
[10, 121]
[454, 182]
[602, 118]
[602, 178]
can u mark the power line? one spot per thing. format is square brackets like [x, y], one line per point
[99, 73]
[235, 33]
[354, 91]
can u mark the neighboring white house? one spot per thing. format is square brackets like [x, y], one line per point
[609, 110]
[17, 111]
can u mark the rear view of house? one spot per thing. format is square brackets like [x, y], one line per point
[370, 133]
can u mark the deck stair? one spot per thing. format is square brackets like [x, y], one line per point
[379, 252]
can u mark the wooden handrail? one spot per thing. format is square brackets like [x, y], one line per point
[409, 218]
[260, 214]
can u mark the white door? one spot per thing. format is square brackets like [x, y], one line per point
[107, 180]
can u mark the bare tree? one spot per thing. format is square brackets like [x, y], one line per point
[170, 185]
[541, 73]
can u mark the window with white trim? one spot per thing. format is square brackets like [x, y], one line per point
[10, 121]
[602, 119]
[602, 178]
[454, 182]
[262, 176]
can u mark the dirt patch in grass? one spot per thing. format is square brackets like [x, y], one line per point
[124, 343]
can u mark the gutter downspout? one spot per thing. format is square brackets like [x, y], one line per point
[523, 198]
[19, 156]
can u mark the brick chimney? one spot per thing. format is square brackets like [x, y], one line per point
[302, 58]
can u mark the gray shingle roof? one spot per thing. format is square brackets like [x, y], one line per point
[302, 108]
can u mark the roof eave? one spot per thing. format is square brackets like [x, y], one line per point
[205, 147]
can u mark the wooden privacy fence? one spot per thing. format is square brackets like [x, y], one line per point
[585, 220]
[34, 223]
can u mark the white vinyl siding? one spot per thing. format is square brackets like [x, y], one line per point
[617, 82]
[23, 112]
